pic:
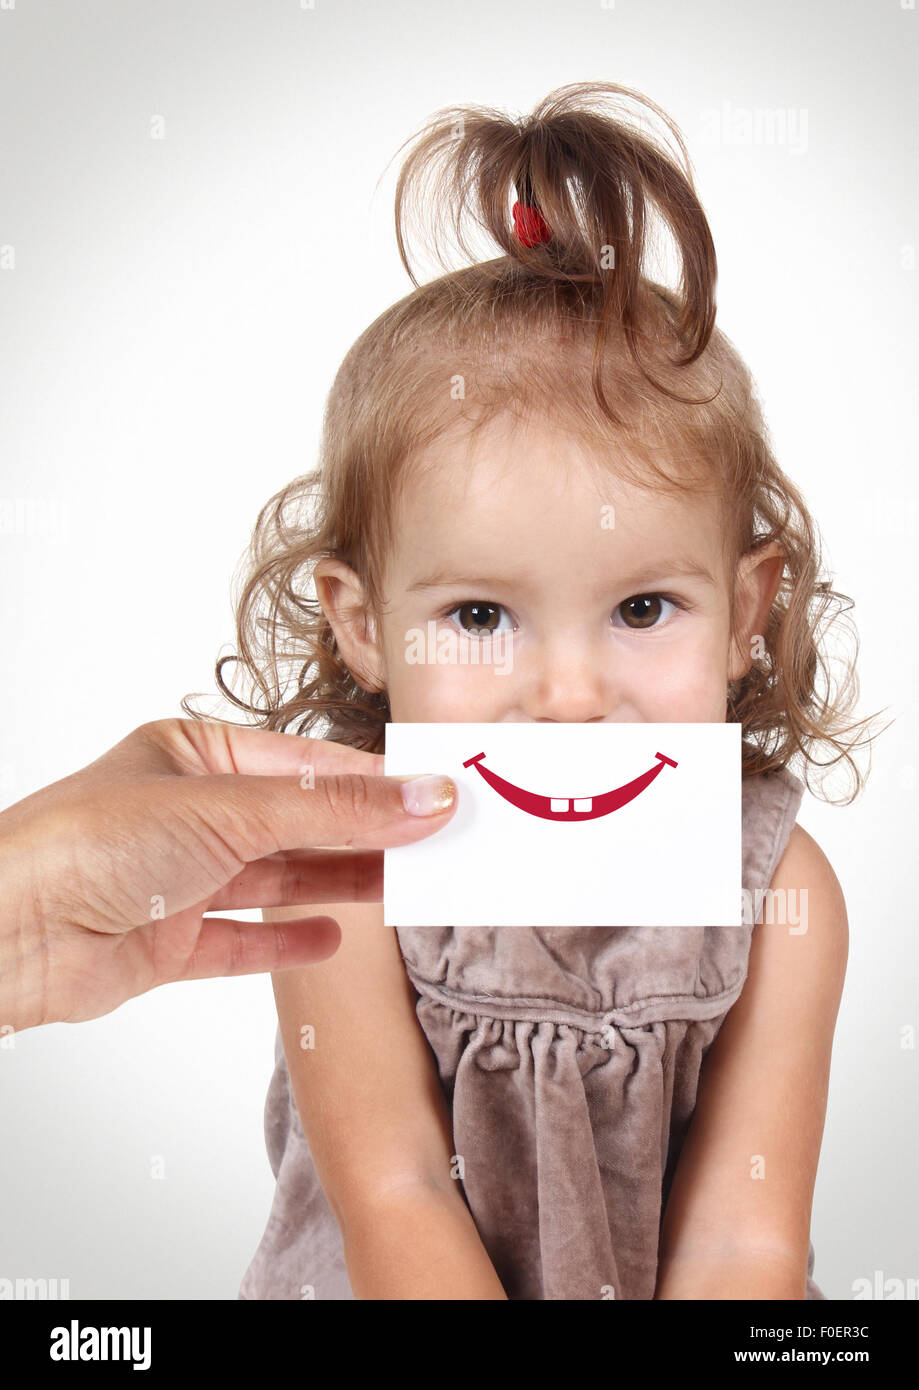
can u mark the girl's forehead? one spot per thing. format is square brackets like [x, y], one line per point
[530, 471]
[550, 505]
[505, 457]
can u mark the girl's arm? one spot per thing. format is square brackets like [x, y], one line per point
[374, 1114]
[737, 1223]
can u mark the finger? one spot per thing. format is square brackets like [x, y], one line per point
[306, 876]
[230, 748]
[251, 817]
[227, 947]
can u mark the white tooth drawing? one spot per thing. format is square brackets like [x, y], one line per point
[585, 804]
[558, 805]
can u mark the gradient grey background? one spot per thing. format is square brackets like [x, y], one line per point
[174, 316]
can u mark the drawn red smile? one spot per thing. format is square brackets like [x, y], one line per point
[568, 808]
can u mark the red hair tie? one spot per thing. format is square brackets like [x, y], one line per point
[530, 227]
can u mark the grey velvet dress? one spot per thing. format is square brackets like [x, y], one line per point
[570, 1059]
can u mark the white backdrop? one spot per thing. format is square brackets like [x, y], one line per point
[172, 313]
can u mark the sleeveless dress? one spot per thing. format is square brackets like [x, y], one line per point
[570, 1058]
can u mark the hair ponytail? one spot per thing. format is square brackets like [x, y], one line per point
[597, 180]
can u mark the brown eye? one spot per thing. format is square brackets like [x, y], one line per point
[479, 618]
[644, 610]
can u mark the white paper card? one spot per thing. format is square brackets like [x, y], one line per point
[572, 825]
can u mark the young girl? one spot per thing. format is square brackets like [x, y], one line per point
[479, 1112]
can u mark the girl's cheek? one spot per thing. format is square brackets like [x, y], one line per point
[447, 693]
[691, 689]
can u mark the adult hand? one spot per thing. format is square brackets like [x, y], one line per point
[105, 875]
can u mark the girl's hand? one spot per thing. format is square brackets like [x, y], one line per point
[105, 876]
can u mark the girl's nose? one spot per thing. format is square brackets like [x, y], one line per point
[566, 683]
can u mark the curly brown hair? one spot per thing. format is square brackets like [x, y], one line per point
[636, 371]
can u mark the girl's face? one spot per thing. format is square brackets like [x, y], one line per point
[527, 584]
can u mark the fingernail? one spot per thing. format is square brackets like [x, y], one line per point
[425, 796]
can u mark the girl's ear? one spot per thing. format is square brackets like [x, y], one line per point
[341, 594]
[756, 583]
